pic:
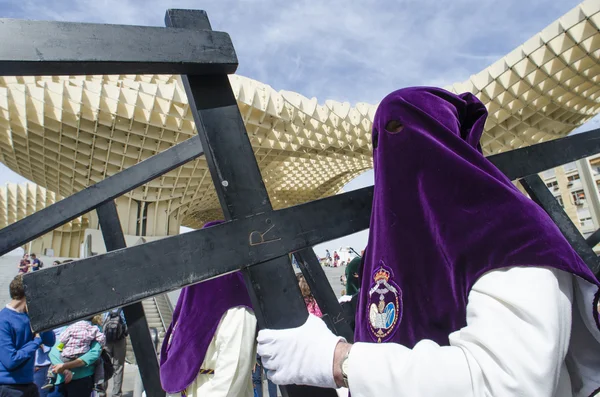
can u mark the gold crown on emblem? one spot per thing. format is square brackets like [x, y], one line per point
[382, 274]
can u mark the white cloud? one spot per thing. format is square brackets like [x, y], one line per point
[346, 50]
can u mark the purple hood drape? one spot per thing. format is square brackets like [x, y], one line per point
[442, 216]
[196, 317]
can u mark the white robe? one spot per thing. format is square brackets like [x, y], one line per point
[232, 354]
[529, 333]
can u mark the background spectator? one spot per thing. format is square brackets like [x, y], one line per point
[24, 264]
[75, 378]
[36, 264]
[352, 276]
[115, 331]
[18, 345]
[42, 365]
[309, 299]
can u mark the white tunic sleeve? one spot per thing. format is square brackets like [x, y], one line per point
[234, 357]
[514, 344]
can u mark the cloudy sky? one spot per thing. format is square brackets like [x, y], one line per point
[355, 51]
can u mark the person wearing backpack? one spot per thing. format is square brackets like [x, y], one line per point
[115, 331]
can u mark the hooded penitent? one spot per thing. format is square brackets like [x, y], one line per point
[196, 317]
[442, 216]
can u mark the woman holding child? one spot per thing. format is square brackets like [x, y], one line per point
[75, 378]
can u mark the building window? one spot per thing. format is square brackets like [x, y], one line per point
[585, 221]
[578, 197]
[552, 185]
[573, 177]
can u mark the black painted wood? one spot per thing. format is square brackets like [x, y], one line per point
[359, 207]
[187, 19]
[110, 226]
[241, 191]
[122, 277]
[49, 218]
[65, 48]
[534, 159]
[141, 340]
[593, 239]
[325, 296]
[537, 190]
[239, 184]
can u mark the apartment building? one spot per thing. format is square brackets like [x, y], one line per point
[576, 186]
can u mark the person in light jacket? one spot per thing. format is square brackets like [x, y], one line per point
[210, 348]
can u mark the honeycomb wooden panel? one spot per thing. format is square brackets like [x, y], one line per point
[20, 200]
[68, 132]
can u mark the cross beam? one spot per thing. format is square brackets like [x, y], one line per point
[126, 276]
[241, 191]
[46, 311]
[137, 326]
[534, 159]
[66, 48]
[538, 191]
[56, 215]
[593, 239]
[354, 207]
[319, 285]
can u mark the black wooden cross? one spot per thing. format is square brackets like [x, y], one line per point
[255, 239]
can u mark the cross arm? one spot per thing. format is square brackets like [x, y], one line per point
[49, 218]
[321, 289]
[593, 239]
[66, 48]
[537, 190]
[137, 325]
[121, 277]
[530, 160]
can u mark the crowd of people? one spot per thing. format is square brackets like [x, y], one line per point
[31, 263]
[332, 260]
[73, 361]
[77, 360]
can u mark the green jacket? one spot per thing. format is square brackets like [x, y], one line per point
[352, 283]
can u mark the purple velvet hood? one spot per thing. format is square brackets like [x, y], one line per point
[442, 216]
[195, 319]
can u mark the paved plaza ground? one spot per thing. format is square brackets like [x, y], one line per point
[8, 269]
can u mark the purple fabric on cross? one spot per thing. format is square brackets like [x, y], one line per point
[196, 317]
[442, 216]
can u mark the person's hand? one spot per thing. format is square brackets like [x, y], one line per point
[301, 356]
[59, 368]
[68, 376]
